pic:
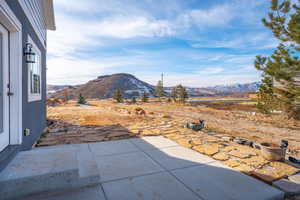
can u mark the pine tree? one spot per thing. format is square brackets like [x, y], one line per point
[174, 94]
[182, 93]
[266, 99]
[118, 95]
[280, 69]
[133, 100]
[145, 97]
[81, 99]
[159, 90]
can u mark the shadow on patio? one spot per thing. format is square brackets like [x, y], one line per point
[147, 168]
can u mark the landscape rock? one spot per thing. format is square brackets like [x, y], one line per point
[244, 168]
[241, 153]
[184, 142]
[274, 171]
[199, 148]
[256, 161]
[221, 156]
[284, 169]
[228, 149]
[211, 149]
[232, 163]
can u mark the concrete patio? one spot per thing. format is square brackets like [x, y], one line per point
[142, 168]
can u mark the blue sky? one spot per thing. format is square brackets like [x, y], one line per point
[193, 42]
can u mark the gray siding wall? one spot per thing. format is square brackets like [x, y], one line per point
[34, 11]
[34, 113]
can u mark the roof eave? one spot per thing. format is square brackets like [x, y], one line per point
[49, 15]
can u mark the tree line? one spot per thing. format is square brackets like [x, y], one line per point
[178, 94]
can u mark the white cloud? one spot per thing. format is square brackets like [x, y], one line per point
[135, 26]
[259, 41]
[211, 70]
[76, 34]
[215, 16]
[86, 26]
[72, 70]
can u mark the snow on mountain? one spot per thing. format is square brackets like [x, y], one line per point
[105, 86]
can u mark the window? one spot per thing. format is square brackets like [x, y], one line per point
[35, 74]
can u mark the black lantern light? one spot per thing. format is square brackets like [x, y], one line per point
[29, 54]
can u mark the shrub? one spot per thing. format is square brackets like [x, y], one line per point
[145, 97]
[118, 96]
[133, 100]
[81, 99]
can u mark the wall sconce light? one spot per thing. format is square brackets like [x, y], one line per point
[29, 54]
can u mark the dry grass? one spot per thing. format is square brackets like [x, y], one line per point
[237, 120]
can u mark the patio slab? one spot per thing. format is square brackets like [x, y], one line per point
[178, 157]
[153, 142]
[144, 168]
[112, 147]
[38, 171]
[88, 171]
[125, 165]
[88, 193]
[160, 186]
[215, 182]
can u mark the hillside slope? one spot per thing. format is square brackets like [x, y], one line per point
[105, 86]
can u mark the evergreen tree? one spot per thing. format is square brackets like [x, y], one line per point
[181, 93]
[159, 90]
[81, 99]
[145, 97]
[280, 69]
[133, 100]
[174, 94]
[266, 99]
[118, 95]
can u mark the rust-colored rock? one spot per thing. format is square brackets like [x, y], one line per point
[256, 161]
[211, 149]
[174, 136]
[274, 171]
[228, 148]
[221, 156]
[197, 141]
[284, 169]
[232, 163]
[199, 148]
[184, 142]
[241, 153]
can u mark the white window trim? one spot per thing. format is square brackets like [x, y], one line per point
[11, 22]
[34, 97]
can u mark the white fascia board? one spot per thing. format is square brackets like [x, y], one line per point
[49, 15]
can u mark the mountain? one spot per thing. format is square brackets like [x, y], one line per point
[55, 88]
[104, 87]
[236, 88]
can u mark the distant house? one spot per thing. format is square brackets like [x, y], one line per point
[23, 42]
